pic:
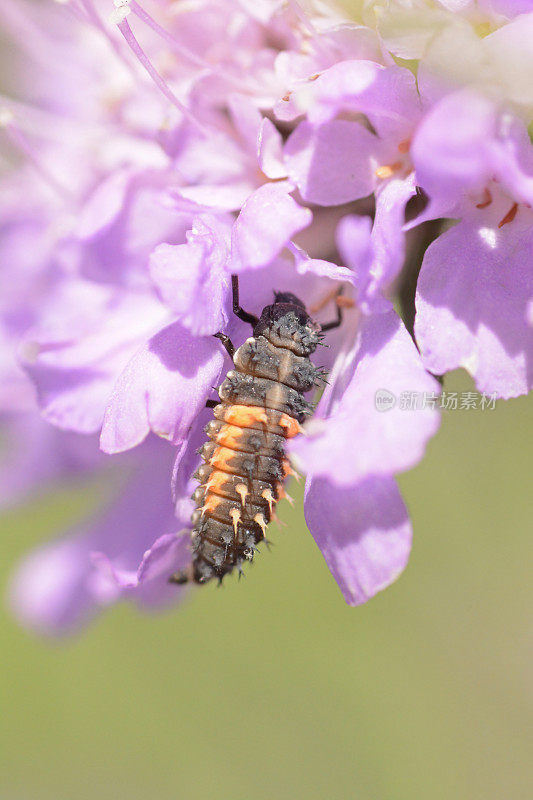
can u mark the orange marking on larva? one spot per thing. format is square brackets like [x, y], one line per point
[242, 490]
[286, 466]
[487, 200]
[261, 521]
[221, 458]
[511, 214]
[288, 471]
[235, 514]
[269, 497]
[291, 426]
[230, 436]
[216, 481]
[245, 416]
[211, 502]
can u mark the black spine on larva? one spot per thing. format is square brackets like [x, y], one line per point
[245, 465]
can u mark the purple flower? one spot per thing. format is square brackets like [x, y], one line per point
[251, 140]
[334, 159]
[353, 449]
[192, 278]
[481, 172]
[127, 552]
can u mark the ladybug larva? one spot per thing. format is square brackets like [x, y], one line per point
[262, 405]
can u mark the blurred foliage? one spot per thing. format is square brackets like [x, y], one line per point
[273, 688]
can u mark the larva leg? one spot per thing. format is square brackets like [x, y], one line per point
[237, 310]
[228, 344]
[329, 326]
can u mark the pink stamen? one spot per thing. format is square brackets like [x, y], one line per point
[314, 37]
[94, 19]
[302, 16]
[17, 20]
[184, 52]
[161, 84]
[19, 141]
[145, 17]
[49, 124]
[72, 8]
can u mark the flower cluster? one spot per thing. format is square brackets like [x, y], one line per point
[155, 150]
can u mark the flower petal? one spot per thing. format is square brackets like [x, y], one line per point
[351, 437]
[124, 552]
[76, 356]
[451, 159]
[104, 205]
[388, 236]
[482, 145]
[509, 51]
[354, 242]
[363, 532]
[162, 389]
[386, 95]
[149, 585]
[192, 279]
[270, 151]
[510, 8]
[473, 290]
[376, 253]
[185, 465]
[332, 163]
[267, 222]
[318, 267]
[35, 456]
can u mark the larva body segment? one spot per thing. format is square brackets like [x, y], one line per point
[262, 406]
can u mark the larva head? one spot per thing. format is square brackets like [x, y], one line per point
[286, 323]
[288, 297]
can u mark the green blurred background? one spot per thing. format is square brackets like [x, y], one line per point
[273, 687]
